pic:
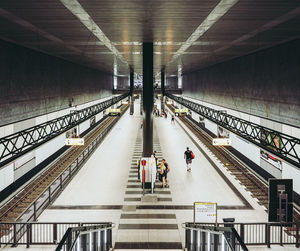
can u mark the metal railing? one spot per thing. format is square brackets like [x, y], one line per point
[284, 146]
[264, 233]
[95, 237]
[19, 143]
[36, 233]
[203, 237]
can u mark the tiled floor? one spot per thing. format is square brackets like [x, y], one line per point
[107, 189]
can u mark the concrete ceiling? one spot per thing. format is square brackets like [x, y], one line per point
[190, 34]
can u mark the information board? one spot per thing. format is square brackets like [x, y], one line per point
[75, 142]
[221, 142]
[205, 212]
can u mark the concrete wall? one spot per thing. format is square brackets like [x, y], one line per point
[172, 82]
[265, 83]
[33, 83]
[123, 83]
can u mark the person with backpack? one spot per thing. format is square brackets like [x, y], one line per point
[188, 156]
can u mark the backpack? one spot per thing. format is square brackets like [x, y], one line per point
[192, 155]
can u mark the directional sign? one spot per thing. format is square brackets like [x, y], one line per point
[221, 142]
[75, 142]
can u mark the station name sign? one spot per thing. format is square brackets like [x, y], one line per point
[75, 142]
[221, 142]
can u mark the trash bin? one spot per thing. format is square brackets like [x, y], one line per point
[228, 220]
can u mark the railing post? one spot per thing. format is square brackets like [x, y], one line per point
[29, 236]
[15, 235]
[281, 235]
[60, 177]
[55, 233]
[34, 211]
[267, 234]
[242, 233]
[49, 190]
[297, 235]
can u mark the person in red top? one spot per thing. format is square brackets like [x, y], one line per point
[188, 159]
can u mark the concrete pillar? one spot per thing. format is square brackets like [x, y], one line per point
[163, 92]
[147, 99]
[131, 80]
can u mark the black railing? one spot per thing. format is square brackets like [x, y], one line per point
[280, 144]
[45, 233]
[36, 233]
[17, 144]
[95, 237]
[262, 233]
[203, 237]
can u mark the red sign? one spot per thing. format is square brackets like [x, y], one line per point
[143, 162]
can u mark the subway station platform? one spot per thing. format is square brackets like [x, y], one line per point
[107, 189]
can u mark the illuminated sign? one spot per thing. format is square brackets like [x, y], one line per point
[205, 212]
[75, 142]
[221, 142]
[181, 110]
[114, 110]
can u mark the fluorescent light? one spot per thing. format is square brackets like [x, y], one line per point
[220, 10]
[77, 10]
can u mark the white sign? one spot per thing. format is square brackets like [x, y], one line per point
[221, 142]
[205, 212]
[75, 142]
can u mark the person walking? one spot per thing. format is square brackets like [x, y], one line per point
[188, 159]
[172, 120]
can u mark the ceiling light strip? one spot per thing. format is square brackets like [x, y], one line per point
[220, 10]
[77, 10]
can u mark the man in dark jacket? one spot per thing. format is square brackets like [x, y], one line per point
[188, 159]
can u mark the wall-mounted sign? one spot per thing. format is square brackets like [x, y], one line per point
[114, 112]
[223, 133]
[271, 159]
[181, 112]
[221, 142]
[92, 120]
[205, 212]
[72, 133]
[75, 142]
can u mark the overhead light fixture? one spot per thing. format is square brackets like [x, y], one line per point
[77, 10]
[220, 10]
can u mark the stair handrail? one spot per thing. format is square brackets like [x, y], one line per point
[81, 230]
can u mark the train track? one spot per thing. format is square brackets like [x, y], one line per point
[252, 181]
[18, 204]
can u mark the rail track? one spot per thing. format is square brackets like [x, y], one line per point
[19, 203]
[252, 181]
